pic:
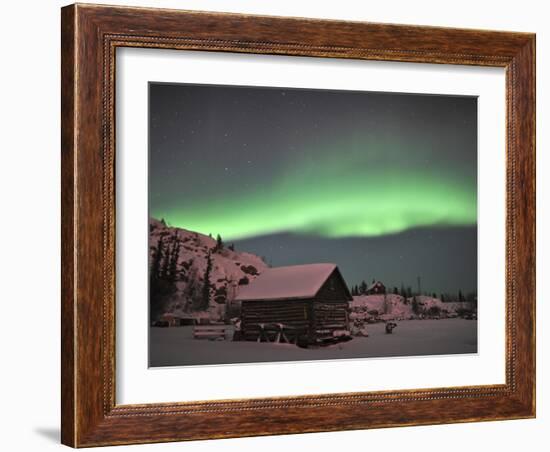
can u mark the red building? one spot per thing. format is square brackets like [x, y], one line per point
[376, 288]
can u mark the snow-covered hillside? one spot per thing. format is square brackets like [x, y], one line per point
[229, 269]
[364, 306]
[393, 306]
[183, 260]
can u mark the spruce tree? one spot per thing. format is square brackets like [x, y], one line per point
[165, 261]
[192, 289]
[219, 243]
[205, 298]
[156, 262]
[174, 257]
[160, 288]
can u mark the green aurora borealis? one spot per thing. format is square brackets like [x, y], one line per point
[252, 162]
[334, 203]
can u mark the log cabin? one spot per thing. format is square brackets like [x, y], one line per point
[301, 304]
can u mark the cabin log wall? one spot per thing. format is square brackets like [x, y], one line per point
[293, 313]
[316, 319]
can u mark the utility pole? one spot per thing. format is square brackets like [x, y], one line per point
[419, 286]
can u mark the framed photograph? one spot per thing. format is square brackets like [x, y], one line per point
[281, 225]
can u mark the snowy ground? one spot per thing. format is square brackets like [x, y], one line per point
[176, 346]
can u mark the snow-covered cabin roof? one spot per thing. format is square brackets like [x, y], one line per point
[291, 282]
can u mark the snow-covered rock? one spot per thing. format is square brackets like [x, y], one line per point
[230, 268]
[391, 306]
[379, 305]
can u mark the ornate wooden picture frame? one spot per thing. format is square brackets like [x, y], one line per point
[90, 37]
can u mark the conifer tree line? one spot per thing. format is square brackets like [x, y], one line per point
[408, 292]
[164, 263]
[166, 270]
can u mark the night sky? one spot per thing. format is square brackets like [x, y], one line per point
[382, 184]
